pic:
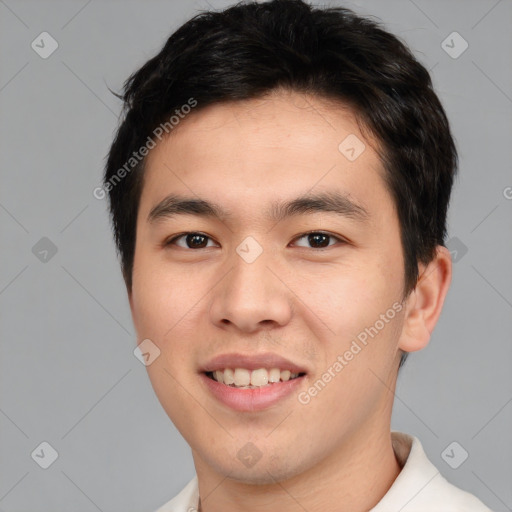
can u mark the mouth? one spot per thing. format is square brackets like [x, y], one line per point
[252, 382]
[243, 378]
[237, 392]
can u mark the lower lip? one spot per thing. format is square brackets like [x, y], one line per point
[249, 400]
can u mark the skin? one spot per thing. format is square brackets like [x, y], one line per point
[299, 301]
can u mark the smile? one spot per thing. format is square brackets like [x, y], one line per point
[250, 398]
[243, 378]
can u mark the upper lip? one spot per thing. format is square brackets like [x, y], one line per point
[251, 362]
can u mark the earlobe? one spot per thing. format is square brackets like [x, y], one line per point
[424, 304]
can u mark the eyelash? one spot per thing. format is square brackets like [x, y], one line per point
[181, 235]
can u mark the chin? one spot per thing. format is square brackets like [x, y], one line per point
[267, 470]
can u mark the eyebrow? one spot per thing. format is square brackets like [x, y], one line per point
[331, 202]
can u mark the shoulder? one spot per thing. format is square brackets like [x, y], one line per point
[420, 487]
[185, 501]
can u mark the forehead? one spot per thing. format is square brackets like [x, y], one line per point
[246, 154]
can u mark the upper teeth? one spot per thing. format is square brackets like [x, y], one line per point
[259, 377]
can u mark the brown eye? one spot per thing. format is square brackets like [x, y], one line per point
[319, 239]
[192, 240]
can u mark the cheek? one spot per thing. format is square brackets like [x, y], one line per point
[344, 296]
[166, 307]
[162, 310]
[356, 303]
[161, 297]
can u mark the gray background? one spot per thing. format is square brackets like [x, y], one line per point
[68, 373]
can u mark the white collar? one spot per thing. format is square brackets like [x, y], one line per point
[419, 487]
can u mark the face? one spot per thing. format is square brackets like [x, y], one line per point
[318, 284]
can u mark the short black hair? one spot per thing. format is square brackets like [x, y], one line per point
[254, 48]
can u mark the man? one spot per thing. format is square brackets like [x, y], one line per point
[278, 190]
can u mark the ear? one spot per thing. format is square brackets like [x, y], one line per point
[424, 304]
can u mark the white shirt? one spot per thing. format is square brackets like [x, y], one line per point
[419, 487]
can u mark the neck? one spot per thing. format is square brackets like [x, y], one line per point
[354, 478]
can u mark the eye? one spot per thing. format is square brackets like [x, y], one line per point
[319, 239]
[192, 240]
[196, 240]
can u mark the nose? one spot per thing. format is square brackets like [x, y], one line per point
[251, 297]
